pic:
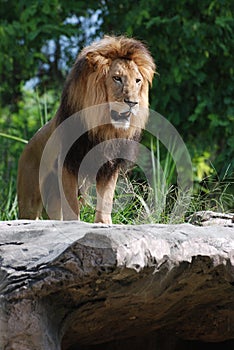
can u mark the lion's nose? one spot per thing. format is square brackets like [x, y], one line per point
[130, 103]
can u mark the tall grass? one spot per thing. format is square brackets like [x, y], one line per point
[162, 173]
[138, 202]
[8, 204]
[12, 137]
[8, 208]
[215, 193]
[32, 113]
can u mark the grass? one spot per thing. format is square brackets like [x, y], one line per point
[14, 138]
[9, 209]
[215, 193]
[136, 202]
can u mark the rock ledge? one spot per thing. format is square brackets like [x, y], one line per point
[72, 285]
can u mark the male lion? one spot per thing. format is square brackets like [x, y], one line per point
[107, 92]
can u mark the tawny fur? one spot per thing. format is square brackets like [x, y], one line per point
[93, 81]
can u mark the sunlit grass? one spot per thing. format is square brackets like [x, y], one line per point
[134, 202]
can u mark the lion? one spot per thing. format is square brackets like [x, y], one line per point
[107, 92]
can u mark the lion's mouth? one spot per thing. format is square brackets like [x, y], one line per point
[120, 120]
[119, 117]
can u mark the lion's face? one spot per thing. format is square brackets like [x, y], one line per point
[109, 86]
[124, 82]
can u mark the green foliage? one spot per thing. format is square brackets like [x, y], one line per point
[31, 35]
[8, 206]
[193, 47]
[19, 127]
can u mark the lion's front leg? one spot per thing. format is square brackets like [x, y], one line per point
[68, 194]
[105, 188]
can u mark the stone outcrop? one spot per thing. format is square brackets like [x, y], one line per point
[72, 285]
[210, 218]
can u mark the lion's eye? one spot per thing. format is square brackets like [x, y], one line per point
[117, 79]
[138, 80]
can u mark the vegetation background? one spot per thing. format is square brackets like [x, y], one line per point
[191, 42]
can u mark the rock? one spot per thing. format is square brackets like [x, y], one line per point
[208, 218]
[72, 285]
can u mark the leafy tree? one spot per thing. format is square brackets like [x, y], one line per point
[193, 47]
[38, 39]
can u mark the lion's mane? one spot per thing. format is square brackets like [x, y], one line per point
[86, 87]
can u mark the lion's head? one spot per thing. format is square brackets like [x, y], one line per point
[124, 83]
[115, 73]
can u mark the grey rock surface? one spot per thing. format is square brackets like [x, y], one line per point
[211, 218]
[72, 285]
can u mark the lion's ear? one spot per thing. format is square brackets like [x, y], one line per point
[97, 61]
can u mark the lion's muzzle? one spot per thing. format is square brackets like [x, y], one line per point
[120, 113]
[120, 116]
[120, 120]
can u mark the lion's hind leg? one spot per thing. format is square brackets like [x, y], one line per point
[29, 198]
[30, 210]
